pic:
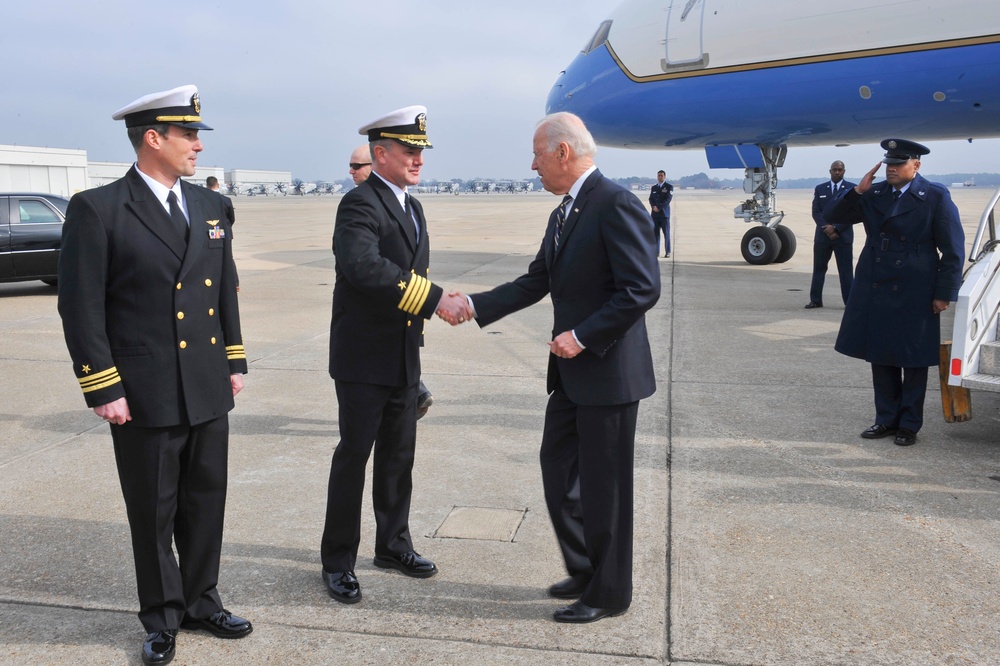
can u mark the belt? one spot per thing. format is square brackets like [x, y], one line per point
[889, 245]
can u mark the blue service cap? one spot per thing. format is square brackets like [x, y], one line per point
[179, 106]
[898, 151]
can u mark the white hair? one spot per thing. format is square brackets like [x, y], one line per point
[566, 127]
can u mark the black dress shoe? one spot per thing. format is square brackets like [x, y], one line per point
[580, 613]
[222, 623]
[905, 437]
[570, 588]
[158, 648]
[343, 586]
[424, 402]
[811, 305]
[409, 563]
[878, 431]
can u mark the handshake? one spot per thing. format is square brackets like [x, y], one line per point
[454, 308]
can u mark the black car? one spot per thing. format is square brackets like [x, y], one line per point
[30, 235]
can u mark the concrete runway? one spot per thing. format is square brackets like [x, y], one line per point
[767, 531]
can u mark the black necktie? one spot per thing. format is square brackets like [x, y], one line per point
[896, 194]
[409, 215]
[180, 222]
[561, 218]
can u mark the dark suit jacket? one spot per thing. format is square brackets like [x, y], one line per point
[381, 296]
[602, 281]
[823, 200]
[660, 196]
[145, 316]
[913, 255]
[230, 210]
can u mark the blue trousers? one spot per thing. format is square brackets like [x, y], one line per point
[662, 223]
[899, 396]
[845, 268]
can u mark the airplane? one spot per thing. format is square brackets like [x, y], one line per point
[746, 81]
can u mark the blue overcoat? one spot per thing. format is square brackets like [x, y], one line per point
[912, 256]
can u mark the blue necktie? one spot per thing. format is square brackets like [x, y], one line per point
[561, 218]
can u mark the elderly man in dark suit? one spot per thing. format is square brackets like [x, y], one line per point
[147, 295]
[831, 239]
[908, 272]
[597, 260]
[381, 298]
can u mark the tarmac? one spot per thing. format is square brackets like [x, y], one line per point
[766, 530]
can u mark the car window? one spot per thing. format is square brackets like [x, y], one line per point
[35, 212]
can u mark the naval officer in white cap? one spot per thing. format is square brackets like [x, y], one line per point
[381, 298]
[147, 295]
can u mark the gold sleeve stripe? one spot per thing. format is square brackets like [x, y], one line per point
[415, 295]
[235, 352]
[95, 387]
[99, 377]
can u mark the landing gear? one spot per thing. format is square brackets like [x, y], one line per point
[760, 246]
[770, 242]
[787, 239]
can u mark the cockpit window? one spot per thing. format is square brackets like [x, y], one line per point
[599, 37]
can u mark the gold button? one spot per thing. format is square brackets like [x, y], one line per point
[211, 311]
[183, 345]
[213, 341]
[409, 322]
[208, 283]
[178, 286]
[180, 315]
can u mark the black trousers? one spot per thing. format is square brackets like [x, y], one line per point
[899, 396]
[384, 417]
[821, 260]
[174, 484]
[587, 459]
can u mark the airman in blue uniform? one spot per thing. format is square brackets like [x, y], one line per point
[908, 272]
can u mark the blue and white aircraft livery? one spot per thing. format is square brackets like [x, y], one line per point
[744, 81]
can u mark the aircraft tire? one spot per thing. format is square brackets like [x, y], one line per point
[760, 246]
[787, 239]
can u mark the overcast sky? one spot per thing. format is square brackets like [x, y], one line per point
[287, 84]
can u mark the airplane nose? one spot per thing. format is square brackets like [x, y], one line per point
[556, 101]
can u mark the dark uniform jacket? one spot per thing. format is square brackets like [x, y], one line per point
[146, 317]
[912, 256]
[602, 281]
[381, 296]
[823, 200]
[660, 196]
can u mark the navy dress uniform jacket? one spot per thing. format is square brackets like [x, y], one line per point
[146, 317]
[823, 200]
[381, 295]
[602, 281]
[913, 255]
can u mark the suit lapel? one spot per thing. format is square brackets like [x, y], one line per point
[391, 204]
[151, 213]
[198, 236]
[573, 214]
[418, 210]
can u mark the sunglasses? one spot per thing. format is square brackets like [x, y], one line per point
[357, 165]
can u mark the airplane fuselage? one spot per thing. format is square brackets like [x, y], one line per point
[687, 75]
